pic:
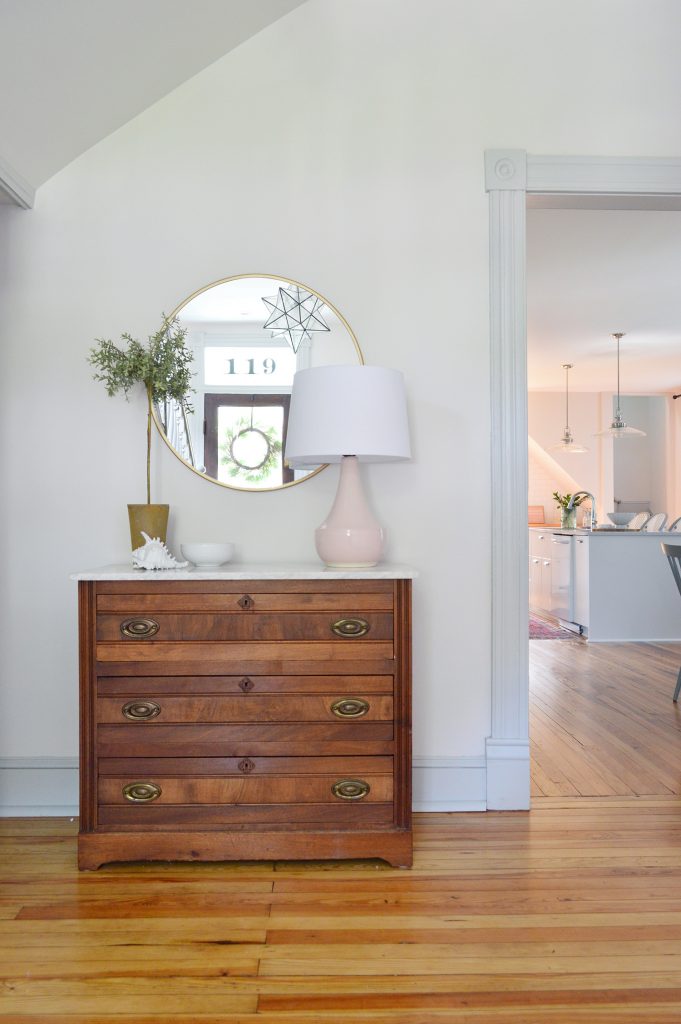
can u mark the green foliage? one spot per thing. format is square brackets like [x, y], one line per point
[163, 366]
[251, 476]
[563, 500]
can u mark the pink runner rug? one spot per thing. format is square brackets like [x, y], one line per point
[542, 630]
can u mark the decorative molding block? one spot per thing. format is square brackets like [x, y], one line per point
[508, 775]
[16, 187]
[505, 169]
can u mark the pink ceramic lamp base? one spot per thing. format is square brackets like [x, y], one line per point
[350, 537]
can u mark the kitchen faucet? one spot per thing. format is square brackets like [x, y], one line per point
[571, 505]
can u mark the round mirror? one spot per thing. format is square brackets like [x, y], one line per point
[249, 334]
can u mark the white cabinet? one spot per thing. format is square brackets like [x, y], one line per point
[581, 581]
[540, 570]
[562, 593]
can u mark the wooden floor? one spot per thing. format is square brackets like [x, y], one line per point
[569, 914]
[602, 720]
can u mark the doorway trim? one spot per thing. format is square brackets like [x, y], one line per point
[510, 176]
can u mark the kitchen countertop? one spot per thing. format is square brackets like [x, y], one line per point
[624, 532]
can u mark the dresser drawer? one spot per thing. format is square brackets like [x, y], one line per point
[239, 740]
[345, 626]
[207, 603]
[265, 656]
[232, 818]
[149, 709]
[134, 686]
[336, 797]
[146, 767]
[271, 789]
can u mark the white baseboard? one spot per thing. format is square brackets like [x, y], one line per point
[43, 786]
[38, 787]
[449, 784]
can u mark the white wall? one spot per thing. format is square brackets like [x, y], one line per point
[342, 147]
[640, 463]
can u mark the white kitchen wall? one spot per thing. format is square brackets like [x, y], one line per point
[546, 421]
[343, 146]
[640, 463]
[544, 476]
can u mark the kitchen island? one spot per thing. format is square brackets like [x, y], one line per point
[609, 585]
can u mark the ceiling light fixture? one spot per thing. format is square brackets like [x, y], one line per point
[618, 427]
[567, 442]
[295, 314]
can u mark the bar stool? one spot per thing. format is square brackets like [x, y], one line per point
[673, 553]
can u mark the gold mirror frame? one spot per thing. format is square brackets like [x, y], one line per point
[177, 311]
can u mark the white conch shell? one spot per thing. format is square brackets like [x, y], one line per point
[154, 555]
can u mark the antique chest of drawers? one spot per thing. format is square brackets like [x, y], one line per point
[254, 718]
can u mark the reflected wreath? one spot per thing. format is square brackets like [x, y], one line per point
[238, 466]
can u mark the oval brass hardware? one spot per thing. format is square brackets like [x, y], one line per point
[350, 707]
[141, 792]
[246, 684]
[351, 789]
[350, 627]
[246, 602]
[137, 628]
[246, 765]
[139, 710]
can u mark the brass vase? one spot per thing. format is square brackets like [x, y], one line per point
[153, 519]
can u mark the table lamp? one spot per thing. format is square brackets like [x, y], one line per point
[348, 414]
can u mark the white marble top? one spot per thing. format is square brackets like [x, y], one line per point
[237, 571]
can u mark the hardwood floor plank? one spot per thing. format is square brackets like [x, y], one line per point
[602, 718]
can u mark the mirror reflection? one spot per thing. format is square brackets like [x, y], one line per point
[249, 335]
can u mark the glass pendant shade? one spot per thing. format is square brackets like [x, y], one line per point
[567, 442]
[618, 427]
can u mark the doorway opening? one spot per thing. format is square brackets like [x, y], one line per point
[551, 184]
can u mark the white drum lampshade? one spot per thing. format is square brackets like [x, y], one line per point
[348, 414]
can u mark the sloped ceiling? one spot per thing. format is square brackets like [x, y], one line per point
[73, 71]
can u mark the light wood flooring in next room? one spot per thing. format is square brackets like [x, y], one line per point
[602, 719]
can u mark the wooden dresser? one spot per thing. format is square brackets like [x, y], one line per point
[257, 716]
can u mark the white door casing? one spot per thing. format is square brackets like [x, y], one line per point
[510, 176]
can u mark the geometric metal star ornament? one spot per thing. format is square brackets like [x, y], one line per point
[294, 313]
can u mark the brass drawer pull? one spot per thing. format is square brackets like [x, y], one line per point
[350, 707]
[246, 684]
[137, 628]
[351, 789]
[141, 792]
[246, 602]
[350, 627]
[139, 710]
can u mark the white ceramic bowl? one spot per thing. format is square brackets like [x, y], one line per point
[621, 518]
[207, 556]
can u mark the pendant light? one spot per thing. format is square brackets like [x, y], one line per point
[618, 427]
[567, 442]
